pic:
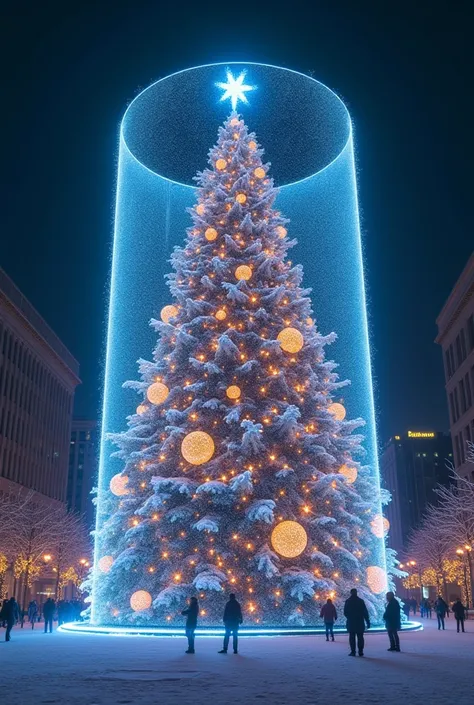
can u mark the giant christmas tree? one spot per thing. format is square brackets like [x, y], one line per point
[240, 471]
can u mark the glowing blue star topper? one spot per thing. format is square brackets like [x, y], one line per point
[235, 88]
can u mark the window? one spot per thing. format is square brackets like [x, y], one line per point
[447, 362]
[457, 451]
[82, 435]
[452, 408]
[467, 434]
[451, 359]
[463, 344]
[456, 403]
[462, 395]
[459, 358]
[467, 386]
[470, 332]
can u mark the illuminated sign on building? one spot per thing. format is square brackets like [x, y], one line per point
[421, 434]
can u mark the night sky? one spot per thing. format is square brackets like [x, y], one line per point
[405, 74]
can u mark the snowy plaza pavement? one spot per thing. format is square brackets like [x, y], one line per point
[434, 667]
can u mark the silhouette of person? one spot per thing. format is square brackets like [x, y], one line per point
[441, 608]
[11, 615]
[191, 613]
[392, 621]
[355, 611]
[48, 614]
[232, 620]
[329, 615]
[459, 612]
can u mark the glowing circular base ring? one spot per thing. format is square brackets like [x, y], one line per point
[167, 632]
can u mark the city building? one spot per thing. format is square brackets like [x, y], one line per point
[411, 466]
[38, 376]
[456, 337]
[82, 474]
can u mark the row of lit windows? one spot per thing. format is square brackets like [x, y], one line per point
[457, 352]
[460, 399]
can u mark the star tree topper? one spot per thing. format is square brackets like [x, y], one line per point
[235, 88]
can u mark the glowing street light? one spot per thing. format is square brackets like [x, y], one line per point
[47, 557]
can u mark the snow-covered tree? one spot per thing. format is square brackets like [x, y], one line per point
[240, 471]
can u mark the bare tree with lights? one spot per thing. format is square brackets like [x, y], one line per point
[240, 471]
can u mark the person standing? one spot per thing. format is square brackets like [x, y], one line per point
[355, 611]
[11, 615]
[191, 613]
[392, 621]
[32, 613]
[329, 615]
[441, 609]
[3, 619]
[459, 612]
[48, 614]
[232, 621]
[429, 609]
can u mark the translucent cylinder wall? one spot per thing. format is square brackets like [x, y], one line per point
[165, 136]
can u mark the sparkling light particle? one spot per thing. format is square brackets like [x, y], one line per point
[337, 410]
[157, 393]
[141, 408]
[252, 145]
[243, 272]
[290, 339]
[200, 208]
[118, 485]
[168, 312]
[140, 600]
[210, 234]
[105, 564]
[235, 88]
[233, 392]
[289, 539]
[197, 447]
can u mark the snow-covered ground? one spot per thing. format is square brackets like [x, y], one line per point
[39, 669]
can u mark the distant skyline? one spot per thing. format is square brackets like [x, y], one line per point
[401, 72]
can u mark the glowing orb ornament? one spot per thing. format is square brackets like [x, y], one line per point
[197, 447]
[118, 485]
[252, 145]
[349, 473]
[281, 231]
[200, 208]
[241, 198]
[376, 579]
[221, 164]
[105, 564]
[141, 408]
[234, 122]
[140, 600]
[221, 315]
[235, 88]
[289, 539]
[259, 172]
[309, 321]
[243, 272]
[168, 312]
[379, 526]
[210, 234]
[338, 411]
[157, 393]
[290, 340]
[233, 392]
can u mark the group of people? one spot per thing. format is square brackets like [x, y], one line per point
[64, 611]
[441, 609]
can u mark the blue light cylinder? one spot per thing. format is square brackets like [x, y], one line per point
[165, 136]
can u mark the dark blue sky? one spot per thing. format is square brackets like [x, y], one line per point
[405, 73]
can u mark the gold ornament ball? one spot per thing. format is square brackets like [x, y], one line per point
[241, 198]
[289, 539]
[290, 339]
[234, 121]
[337, 410]
[379, 526]
[140, 600]
[197, 447]
[118, 485]
[259, 172]
[233, 392]
[309, 321]
[252, 145]
[210, 234]
[243, 272]
[157, 393]
[221, 164]
[200, 208]
[221, 315]
[281, 231]
[105, 564]
[376, 579]
[349, 473]
[168, 312]
[141, 408]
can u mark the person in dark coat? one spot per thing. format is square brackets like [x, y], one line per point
[48, 614]
[406, 609]
[441, 608]
[11, 615]
[191, 613]
[329, 615]
[355, 611]
[3, 619]
[392, 621]
[459, 612]
[32, 613]
[232, 621]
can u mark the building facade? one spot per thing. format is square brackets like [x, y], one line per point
[456, 337]
[38, 376]
[411, 466]
[82, 473]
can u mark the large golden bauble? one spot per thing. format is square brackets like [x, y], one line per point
[200, 208]
[197, 447]
[141, 408]
[241, 198]
[210, 234]
[376, 579]
[289, 539]
[259, 172]
[105, 563]
[221, 164]
[221, 315]
[252, 145]
[140, 600]
[118, 485]
[281, 231]
[379, 526]
[350, 473]
[337, 410]
[168, 312]
[290, 339]
[243, 272]
[157, 393]
[233, 392]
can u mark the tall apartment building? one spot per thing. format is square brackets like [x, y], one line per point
[456, 337]
[411, 466]
[82, 468]
[38, 376]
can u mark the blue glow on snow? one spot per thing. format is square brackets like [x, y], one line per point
[165, 136]
[235, 89]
